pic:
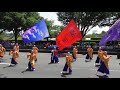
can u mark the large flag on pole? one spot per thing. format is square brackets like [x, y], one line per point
[38, 32]
[69, 35]
[112, 34]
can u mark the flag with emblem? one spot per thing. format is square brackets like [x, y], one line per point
[69, 35]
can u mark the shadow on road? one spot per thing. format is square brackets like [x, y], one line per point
[9, 66]
[2, 75]
[27, 70]
[104, 76]
[65, 74]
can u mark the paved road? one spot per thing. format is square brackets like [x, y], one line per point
[81, 69]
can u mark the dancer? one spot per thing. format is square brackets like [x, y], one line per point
[16, 47]
[67, 66]
[104, 68]
[75, 51]
[31, 63]
[54, 56]
[15, 56]
[35, 50]
[2, 52]
[89, 55]
[97, 62]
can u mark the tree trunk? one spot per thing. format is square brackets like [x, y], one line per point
[47, 39]
[81, 39]
[1, 32]
[15, 34]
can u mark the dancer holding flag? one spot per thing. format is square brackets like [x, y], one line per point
[15, 56]
[69, 35]
[89, 55]
[68, 66]
[74, 53]
[104, 68]
[2, 52]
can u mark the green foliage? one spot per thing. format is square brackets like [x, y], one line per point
[17, 21]
[112, 18]
[49, 24]
[56, 30]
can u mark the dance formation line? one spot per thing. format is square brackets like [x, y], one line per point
[101, 60]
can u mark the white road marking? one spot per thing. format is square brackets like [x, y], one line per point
[5, 63]
[109, 70]
[96, 69]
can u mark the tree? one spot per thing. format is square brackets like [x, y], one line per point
[56, 29]
[111, 20]
[103, 33]
[85, 20]
[49, 24]
[18, 21]
[1, 32]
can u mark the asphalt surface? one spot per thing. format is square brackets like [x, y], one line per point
[81, 69]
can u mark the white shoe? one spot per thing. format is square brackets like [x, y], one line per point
[33, 69]
[63, 72]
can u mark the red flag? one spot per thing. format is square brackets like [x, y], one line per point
[69, 35]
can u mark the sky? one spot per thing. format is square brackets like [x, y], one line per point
[53, 16]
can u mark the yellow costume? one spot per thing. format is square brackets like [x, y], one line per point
[90, 52]
[104, 64]
[106, 59]
[2, 51]
[100, 53]
[35, 51]
[31, 64]
[99, 58]
[16, 47]
[15, 55]
[75, 51]
[67, 66]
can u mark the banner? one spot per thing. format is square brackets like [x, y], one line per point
[38, 32]
[112, 34]
[69, 35]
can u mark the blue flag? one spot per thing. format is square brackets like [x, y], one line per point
[38, 32]
[112, 34]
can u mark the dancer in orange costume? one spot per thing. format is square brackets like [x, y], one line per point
[67, 66]
[15, 56]
[31, 63]
[35, 50]
[89, 55]
[74, 54]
